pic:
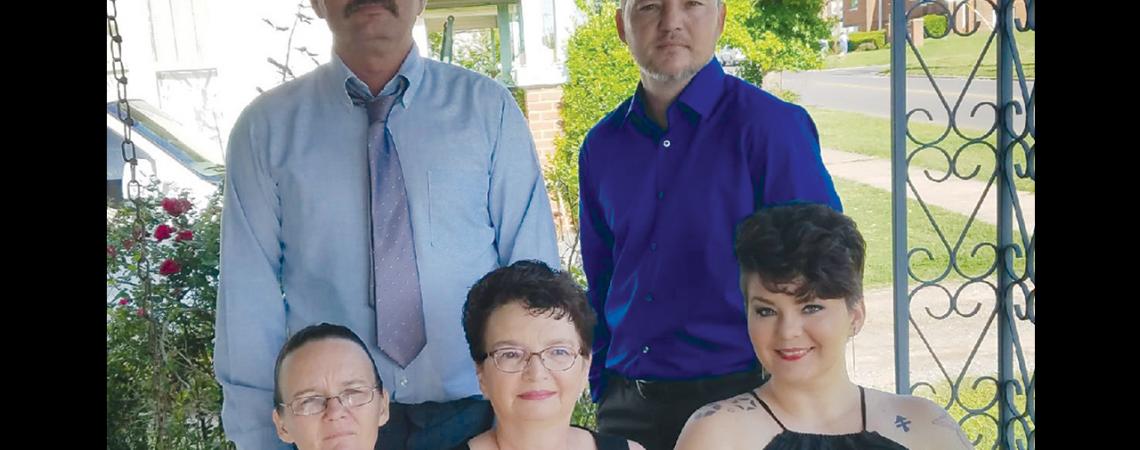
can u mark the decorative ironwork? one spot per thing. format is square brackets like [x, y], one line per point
[978, 272]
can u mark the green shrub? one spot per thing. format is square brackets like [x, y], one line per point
[878, 38]
[935, 25]
[161, 391]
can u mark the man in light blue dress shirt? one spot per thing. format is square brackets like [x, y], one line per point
[297, 228]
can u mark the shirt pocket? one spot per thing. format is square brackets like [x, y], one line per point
[458, 218]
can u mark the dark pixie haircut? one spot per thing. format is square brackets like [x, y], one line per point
[540, 289]
[313, 333]
[809, 247]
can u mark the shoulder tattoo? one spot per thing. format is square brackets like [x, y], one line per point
[739, 403]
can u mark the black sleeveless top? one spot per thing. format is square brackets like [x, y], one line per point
[601, 440]
[791, 440]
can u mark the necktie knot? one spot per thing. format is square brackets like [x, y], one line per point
[379, 107]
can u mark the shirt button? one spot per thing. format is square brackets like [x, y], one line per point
[660, 195]
[653, 247]
[645, 349]
[649, 298]
[666, 143]
[404, 382]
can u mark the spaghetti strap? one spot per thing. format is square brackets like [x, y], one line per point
[863, 407]
[766, 408]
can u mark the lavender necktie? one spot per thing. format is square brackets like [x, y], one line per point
[400, 329]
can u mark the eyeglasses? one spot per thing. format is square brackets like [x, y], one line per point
[316, 404]
[514, 360]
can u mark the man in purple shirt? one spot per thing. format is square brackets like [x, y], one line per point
[665, 178]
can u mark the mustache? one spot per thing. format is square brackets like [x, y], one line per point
[355, 5]
[672, 37]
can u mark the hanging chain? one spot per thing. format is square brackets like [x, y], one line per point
[139, 232]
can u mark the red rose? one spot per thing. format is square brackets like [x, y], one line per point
[123, 301]
[169, 267]
[184, 235]
[141, 312]
[110, 251]
[163, 232]
[175, 207]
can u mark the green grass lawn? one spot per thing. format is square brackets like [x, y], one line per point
[870, 207]
[952, 55]
[871, 136]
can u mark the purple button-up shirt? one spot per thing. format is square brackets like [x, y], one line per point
[658, 215]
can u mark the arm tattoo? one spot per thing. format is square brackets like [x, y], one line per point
[902, 422]
[945, 421]
[744, 403]
[740, 403]
[707, 411]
